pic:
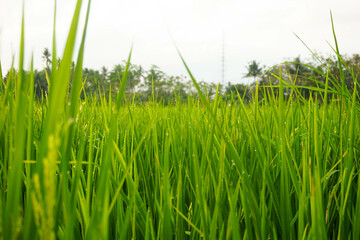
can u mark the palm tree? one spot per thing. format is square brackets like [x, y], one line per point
[254, 70]
[47, 57]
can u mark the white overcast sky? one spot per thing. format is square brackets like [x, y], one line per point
[259, 30]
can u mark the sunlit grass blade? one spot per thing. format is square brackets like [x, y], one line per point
[59, 84]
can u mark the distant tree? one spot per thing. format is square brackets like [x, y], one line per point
[297, 67]
[301, 75]
[233, 89]
[253, 70]
[104, 74]
[116, 73]
[40, 84]
[353, 64]
[92, 81]
[179, 88]
[135, 75]
[114, 77]
[154, 75]
[47, 58]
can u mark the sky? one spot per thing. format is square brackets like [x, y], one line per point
[260, 30]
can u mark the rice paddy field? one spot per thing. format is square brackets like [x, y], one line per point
[275, 168]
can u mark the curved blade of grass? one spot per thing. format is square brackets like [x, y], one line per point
[58, 91]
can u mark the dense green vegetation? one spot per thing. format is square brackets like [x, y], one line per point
[167, 88]
[79, 165]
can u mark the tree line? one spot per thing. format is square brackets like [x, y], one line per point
[144, 84]
[308, 76]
